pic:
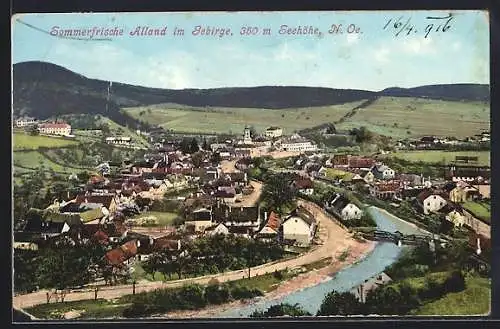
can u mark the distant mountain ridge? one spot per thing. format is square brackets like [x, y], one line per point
[44, 89]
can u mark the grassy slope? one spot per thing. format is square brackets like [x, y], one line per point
[422, 117]
[474, 300]
[27, 142]
[32, 159]
[222, 120]
[115, 128]
[438, 156]
[481, 210]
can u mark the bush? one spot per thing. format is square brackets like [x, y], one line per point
[455, 282]
[239, 292]
[192, 296]
[137, 310]
[217, 294]
[278, 275]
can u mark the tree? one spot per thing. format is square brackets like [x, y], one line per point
[197, 159]
[281, 310]
[105, 129]
[33, 130]
[205, 145]
[193, 147]
[185, 146]
[278, 193]
[253, 131]
[336, 303]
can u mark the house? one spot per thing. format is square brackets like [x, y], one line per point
[304, 185]
[118, 256]
[454, 214]
[356, 162]
[299, 227]
[369, 177]
[386, 190]
[237, 178]
[383, 172]
[273, 132]
[217, 229]
[410, 180]
[25, 121]
[469, 174]
[247, 217]
[62, 129]
[271, 229]
[342, 208]
[49, 223]
[363, 289]
[464, 192]
[226, 193]
[297, 144]
[119, 140]
[431, 201]
[341, 161]
[108, 201]
[200, 220]
[410, 193]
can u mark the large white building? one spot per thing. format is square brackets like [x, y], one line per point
[62, 129]
[273, 132]
[120, 140]
[297, 145]
[26, 121]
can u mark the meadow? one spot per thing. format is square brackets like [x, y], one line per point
[474, 300]
[430, 156]
[233, 120]
[23, 141]
[415, 117]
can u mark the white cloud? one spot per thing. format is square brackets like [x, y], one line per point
[418, 46]
[456, 45]
[352, 38]
[381, 55]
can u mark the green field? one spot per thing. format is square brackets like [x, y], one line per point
[440, 156]
[396, 116]
[474, 300]
[25, 160]
[94, 309]
[481, 210]
[27, 142]
[233, 120]
[332, 173]
[164, 218]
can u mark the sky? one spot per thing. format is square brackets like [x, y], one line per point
[371, 57]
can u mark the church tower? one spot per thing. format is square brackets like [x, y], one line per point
[247, 138]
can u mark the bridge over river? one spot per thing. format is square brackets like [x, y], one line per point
[400, 238]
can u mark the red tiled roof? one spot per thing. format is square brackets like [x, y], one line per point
[388, 187]
[105, 200]
[118, 255]
[340, 160]
[274, 221]
[303, 183]
[54, 125]
[359, 162]
[165, 244]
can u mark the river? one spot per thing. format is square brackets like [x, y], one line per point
[383, 255]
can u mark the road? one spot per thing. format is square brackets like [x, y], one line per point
[335, 241]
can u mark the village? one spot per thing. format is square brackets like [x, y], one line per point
[181, 194]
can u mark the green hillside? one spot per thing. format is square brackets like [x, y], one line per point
[224, 119]
[416, 117]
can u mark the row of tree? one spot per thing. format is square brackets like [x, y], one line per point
[213, 254]
[189, 297]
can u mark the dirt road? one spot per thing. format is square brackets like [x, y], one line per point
[335, 241]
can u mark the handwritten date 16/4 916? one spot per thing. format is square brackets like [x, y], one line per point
[432, 24]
